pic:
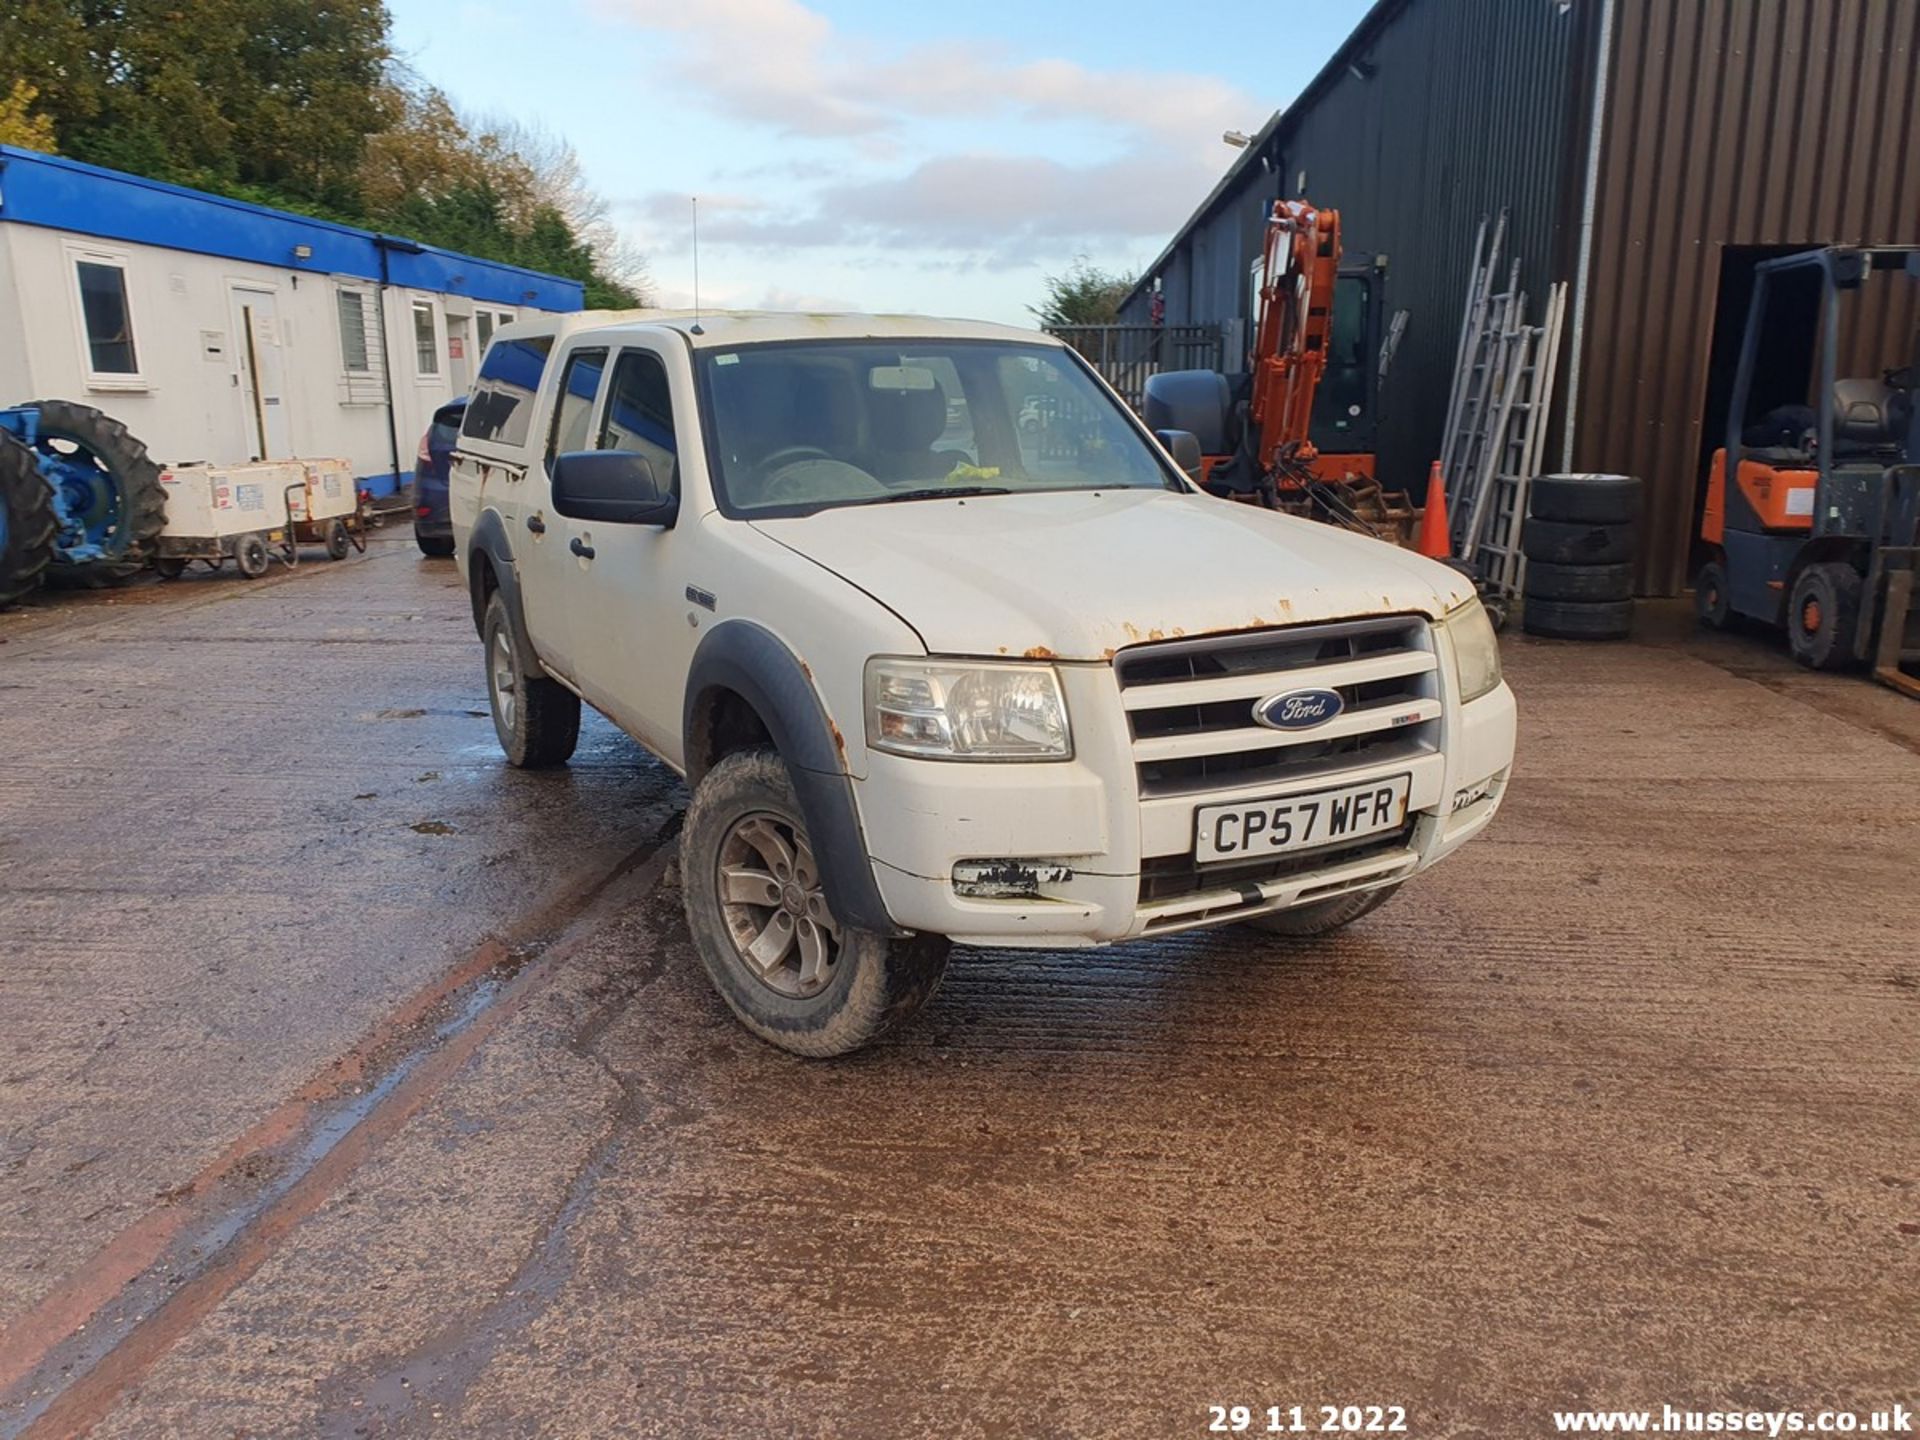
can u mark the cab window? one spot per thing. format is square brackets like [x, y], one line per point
[573, 413]
[502, 404]
[639, 414]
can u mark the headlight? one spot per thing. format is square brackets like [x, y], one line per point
[1476, 649]
[956, 710]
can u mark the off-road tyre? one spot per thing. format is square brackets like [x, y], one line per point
[338, 542]
[1585, 499]
[434, 547]
[1821, 615]
[537, 719]
[143, 499]
[877, 982]
[1567, 542]
[1322, 917]
[1547, 581]
[251, 556]
[1578, 619]
[1710, 601]
[27, 523]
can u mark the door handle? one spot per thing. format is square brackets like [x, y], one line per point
[583, 550]
[536, 525]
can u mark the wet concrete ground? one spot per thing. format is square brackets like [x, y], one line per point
[318, 1123]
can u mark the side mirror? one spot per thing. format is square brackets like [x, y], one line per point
[616, 487]
[1184, 446]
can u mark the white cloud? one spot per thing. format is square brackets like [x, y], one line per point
[778, 63]
[960, 153]
[761, 60]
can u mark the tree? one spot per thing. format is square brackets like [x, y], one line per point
[498, 190]
[1084, 295]
[299, 104]
[19, 125]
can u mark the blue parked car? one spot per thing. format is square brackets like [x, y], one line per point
[432, 526]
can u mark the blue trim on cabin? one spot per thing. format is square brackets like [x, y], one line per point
[63, 194]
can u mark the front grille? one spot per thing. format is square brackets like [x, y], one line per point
[1170, 877]
[1190, 703]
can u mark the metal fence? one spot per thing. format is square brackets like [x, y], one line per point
[1127, 354]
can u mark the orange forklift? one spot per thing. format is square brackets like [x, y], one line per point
[1819, 530]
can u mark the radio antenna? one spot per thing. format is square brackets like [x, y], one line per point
[695, 201]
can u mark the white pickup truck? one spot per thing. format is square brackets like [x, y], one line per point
[950, 648]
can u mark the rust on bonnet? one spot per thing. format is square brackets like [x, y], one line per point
[1040, 652]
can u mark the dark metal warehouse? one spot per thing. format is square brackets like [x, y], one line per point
[1649, 152]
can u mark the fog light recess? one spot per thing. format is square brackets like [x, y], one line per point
[1007, 879]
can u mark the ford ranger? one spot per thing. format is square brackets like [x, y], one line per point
[949, 648]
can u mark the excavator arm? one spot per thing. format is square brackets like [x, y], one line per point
[1302, 264]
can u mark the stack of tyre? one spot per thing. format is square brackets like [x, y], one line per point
[1580, 541]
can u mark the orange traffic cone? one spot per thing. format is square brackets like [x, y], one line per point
[1433, 541]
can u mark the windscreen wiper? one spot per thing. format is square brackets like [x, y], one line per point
[946, 492]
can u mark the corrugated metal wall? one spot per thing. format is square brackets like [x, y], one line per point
[1468, 109]
[1439, 111]
[1730, 122]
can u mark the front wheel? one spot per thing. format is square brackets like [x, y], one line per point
[337, 540]
[1822, 615]
[788, 968]
[1322, 917]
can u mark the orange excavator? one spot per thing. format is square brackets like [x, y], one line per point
[1256, 436]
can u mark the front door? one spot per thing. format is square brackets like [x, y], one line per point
[551, 565]
[636, 629]
[261, 375]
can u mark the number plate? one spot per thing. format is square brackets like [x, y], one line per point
[1254, 830]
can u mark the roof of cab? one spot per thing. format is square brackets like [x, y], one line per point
[746, 327]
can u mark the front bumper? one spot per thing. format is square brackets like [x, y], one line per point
[1086, 816]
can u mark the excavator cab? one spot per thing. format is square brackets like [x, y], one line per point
[1812, 514]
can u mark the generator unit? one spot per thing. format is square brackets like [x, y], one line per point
[217, 512]
[328, 513]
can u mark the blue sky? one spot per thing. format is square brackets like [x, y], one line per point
[851, 154]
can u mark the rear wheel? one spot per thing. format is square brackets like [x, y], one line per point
[1710, 601]
[536, 719]
[790, 970]
[171, 567]
[1323, 917]
[27, 523]
[435, 547]
[112, 505]
[337, 541]
[1822, 613]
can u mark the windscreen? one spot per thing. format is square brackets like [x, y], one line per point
[804, 426]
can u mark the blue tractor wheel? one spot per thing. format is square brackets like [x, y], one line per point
[27, 523]
[106, 490]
